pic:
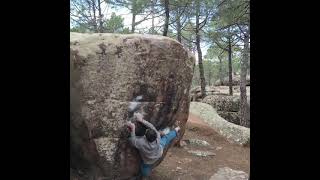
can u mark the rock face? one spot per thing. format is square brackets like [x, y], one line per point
[108, 71]
[232, 132]
[227, 173]
[228, 107]
[195, 92]
[223, 103]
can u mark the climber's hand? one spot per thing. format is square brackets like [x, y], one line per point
[139, 116]
[131, 125]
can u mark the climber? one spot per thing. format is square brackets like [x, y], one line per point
[150, 145]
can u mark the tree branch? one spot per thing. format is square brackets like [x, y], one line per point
[220, 46]
[175, 20]
[187, 39]
[145, 18]
[221, 3]
[239, 36]
[240, 28]
[183, 22]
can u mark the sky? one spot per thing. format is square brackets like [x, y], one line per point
[125, 13]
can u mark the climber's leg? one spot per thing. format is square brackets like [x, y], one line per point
[145, 169]
[166, 139]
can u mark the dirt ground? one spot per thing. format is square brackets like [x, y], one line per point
[181, 165]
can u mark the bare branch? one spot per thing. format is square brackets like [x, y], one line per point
[205, 21]
[235, 43]
[240, 28]
[220, 46]
[146, 18]
[183, 22]
[239, 36]
[221, 53]
[175, 20]
[221, 3]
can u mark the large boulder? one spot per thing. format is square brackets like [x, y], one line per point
[233, 117]
[108, 71]
[223, 102]
[195, 93]
[235, 81]
[232, 132]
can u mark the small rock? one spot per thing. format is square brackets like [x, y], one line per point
[179, 168]
[187, 160]
[91, 102]
[202, 153]
[198, 142]
[183, 143]
[218, 148]
[179, 162]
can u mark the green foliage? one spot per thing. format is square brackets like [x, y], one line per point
[135, 6]
[236, 64]
[138, 6]
[84, 14]
[80, 29]
[125, 31]
[211, 72]
[188, 35]
[114, 24]
[211, 65]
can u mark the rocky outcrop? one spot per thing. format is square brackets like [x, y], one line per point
[235, 81]
[228, 107]
[223, 103]
[108, 71]
[232, 132]
[195, 93]
[233, 117]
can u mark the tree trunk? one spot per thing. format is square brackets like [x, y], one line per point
[95, 26]
[230, 66]
[220, 70]
[166, 24]
[248, 70]
[202, 79]
[194, 63]
[100, 17]
[244, 113]
[178, 26]
[209, 78]
[133, 23]
[152, 20]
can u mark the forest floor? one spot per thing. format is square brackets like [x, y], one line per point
[179, 164]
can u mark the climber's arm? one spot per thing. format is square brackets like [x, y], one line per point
[146, 123]
[133, 138]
